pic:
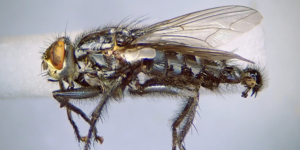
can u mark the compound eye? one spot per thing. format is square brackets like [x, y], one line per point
[57, 54]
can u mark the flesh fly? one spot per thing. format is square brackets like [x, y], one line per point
[178, 56]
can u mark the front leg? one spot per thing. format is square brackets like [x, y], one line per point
[63, 96]
[71, 108]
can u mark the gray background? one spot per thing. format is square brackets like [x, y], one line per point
[31, 119]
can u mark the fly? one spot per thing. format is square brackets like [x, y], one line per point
[178, 56]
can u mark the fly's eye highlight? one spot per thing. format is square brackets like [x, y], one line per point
[57, 54]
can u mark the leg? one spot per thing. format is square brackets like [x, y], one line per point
[79, 138]
[63, 96]
[156, 86]
[183, 122]
[109, 93]
[70, 108]
[185, 119]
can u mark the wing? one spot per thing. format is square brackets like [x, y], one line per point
[199, 33]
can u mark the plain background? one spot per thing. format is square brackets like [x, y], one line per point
[32, 120]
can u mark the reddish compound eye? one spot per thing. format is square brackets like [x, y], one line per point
[57, 54]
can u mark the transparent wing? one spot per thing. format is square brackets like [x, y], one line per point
[209, 28]
[200, 31]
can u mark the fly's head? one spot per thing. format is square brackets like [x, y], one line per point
[254, 79]
[60, 62]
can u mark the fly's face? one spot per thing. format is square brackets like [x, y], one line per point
[59, 60]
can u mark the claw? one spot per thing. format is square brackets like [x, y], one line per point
[83, 139]
[99, 139]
